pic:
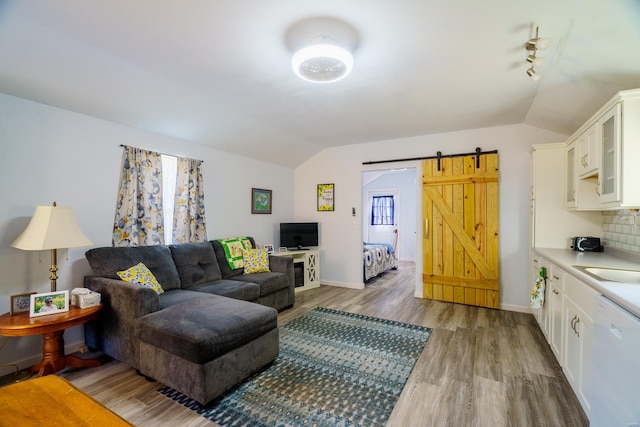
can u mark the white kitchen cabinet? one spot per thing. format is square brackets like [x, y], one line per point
[615, 128]
[579, 310]
[551, 223]
[571, 177]
[610, 146]
[588, 152]
[555, 312]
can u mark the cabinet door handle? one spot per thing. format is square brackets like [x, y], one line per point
[556, 277]
[573, 322]
[556, 292]
[575, 327]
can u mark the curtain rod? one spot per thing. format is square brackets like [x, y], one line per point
[166, 154]
[438, 155]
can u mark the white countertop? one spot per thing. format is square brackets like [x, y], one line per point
[625, 294]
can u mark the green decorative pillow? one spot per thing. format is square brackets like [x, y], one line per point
[255, 261]
[233, 249]
[141, 275]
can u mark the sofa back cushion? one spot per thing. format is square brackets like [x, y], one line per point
[196, 263]
[107, 261]
[227, 271]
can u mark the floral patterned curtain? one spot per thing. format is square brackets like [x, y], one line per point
[188, 216]
[138, 220]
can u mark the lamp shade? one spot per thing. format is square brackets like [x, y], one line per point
[51, 227]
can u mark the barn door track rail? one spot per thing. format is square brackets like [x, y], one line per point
[438, 156]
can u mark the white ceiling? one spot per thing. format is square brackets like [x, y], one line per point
[218, 72]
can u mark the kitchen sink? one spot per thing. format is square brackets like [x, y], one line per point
[611, 274]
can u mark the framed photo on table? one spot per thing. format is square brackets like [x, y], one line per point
[261, 201]
[269, 247]
[20, 303]
[49, 303]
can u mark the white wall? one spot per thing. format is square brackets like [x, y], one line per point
[341, 233]
[49, 154]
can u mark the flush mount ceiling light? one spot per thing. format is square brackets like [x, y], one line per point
[322, 62]
[534, 45]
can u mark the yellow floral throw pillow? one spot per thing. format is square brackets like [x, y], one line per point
[141, 275]
[255, 261]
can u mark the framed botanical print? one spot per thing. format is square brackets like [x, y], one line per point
[326, 197]
[260, 201]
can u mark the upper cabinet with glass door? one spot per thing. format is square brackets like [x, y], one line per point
[607, 155]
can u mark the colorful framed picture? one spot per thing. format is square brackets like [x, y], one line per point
[261, 201]
[269, 247]
[326, 197]
[20, 303]
[49, 303]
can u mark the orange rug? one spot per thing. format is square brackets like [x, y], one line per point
[52, 401]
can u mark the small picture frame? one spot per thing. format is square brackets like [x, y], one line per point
[282, 249]
[49, 303]
[261, 201]
[326, 197]
[269, 247]
[20, 303]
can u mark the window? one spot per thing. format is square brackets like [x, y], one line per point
[382, 210]
[160, 200]
[169, 176]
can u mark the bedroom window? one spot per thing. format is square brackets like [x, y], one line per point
[382, 210]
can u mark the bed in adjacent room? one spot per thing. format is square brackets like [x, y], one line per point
[378, 258]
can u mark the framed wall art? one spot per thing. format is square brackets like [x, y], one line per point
[326, 197]
[261, 201]
[49, 303]
[20, 303]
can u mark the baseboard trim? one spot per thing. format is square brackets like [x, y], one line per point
[514, 307]
[31, 360]
[344, 284]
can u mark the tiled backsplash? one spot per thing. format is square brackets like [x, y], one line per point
[621, 229]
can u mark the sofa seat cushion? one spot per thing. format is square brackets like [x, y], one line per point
[269, 282]
[107, 261]
[230, 288]
[196, 263]
[202, 330]
[178, 296]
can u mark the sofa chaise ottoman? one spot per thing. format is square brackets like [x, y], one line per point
[203, 348]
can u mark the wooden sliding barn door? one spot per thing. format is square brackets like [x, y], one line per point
[460, 240]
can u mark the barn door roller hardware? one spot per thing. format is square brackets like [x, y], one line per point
[438, 156]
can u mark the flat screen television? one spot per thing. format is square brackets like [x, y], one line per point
[298, 235]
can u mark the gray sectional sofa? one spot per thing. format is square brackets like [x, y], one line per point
[211, 328]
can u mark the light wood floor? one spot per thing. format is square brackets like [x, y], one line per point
[480, 367]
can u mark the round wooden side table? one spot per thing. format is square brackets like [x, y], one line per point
[51, 327]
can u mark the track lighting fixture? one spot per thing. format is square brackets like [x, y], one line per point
[534, 45]
[532, 73]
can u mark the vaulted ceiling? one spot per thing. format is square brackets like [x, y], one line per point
[218, 73]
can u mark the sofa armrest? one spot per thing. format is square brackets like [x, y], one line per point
[114, 331]
[281, 264]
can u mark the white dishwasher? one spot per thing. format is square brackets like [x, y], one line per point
[616, 367]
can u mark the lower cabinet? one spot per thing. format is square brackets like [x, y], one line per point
[567, 322]
[556, 314]
[579, 303]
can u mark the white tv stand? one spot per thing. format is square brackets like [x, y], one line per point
[309, 270]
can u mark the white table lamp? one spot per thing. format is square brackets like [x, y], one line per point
[51, 227]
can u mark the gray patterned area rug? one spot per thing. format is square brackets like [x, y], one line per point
[334, 369]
